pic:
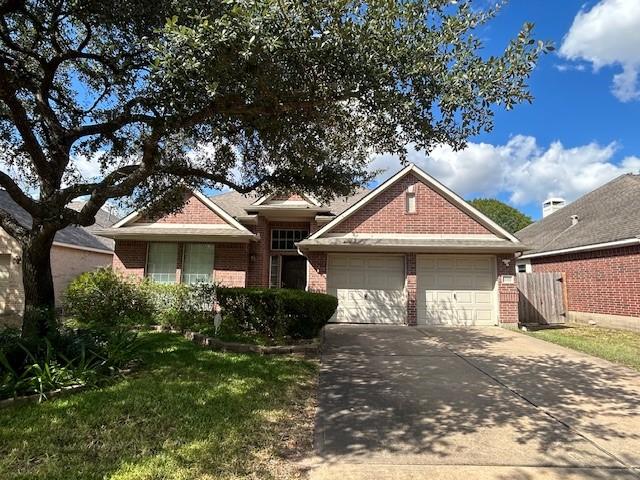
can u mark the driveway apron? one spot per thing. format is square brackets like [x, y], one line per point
[401, 402]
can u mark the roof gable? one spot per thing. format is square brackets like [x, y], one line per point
[376, 200]
[198, 210]
[286, 198]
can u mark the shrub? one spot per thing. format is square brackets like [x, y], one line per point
[104, 299]
[277, 312]
[179, 305]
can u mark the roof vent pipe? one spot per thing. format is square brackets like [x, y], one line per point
[574, 220]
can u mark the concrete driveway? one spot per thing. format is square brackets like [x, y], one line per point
[402, 402]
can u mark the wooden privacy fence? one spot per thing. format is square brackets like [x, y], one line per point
[543, 298]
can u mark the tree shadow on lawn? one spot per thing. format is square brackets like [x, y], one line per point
[189, 413]
[442, 407]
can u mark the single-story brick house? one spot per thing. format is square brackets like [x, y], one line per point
[410, 251]
[75, 250]
[595, 242]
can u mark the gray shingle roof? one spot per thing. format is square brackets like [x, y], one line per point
[72, 235]
[235, 203]
[607, 214]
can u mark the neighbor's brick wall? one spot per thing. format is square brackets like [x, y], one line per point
[12, 299]
[605, 281]
[194, 211]
[386, 213]
[507, 294]
[68, 263]
[317, 273]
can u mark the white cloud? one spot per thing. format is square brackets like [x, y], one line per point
[520, 169]
[609, 35]
[567, 67]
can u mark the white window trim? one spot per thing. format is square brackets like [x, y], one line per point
[286, 230]
[279, 281]
[408, 207]
[527, 266]
[213, 262]
[146, 266]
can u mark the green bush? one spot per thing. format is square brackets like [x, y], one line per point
[277, 313]
[178, 305]
[104, 299]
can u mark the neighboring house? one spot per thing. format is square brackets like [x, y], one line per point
[595, 242]
[75, 250]
[408, 252]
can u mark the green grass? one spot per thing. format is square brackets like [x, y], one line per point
[187, 414]
[617, 346]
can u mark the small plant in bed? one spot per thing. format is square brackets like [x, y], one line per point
[66, 358]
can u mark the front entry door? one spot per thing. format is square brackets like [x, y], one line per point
[294, 272]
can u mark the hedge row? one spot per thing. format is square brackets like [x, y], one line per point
[105, 299]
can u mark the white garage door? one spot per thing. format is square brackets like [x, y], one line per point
[456, 290]
[370, 289]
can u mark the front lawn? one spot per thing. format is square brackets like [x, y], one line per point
[617, 346]
[187, 414]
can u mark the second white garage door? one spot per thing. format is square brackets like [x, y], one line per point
[370, 288]
[456, 290]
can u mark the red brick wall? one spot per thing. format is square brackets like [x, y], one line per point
[605, 281]
[386, 213]
[194, 211]
[317, 272]
[130, 257]
[507, 293]
[230, 261]
[258, 275]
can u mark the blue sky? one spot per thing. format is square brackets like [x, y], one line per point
[581, 130]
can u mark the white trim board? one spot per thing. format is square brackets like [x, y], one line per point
[264, 198]
[454, 198]
[202, 198]
[584, 248]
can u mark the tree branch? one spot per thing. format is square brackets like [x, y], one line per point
[18, 196]
[10, 225]
[8, 94]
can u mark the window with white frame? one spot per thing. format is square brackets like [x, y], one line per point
[285, 239]
[162, 262]
[274, 271]
[197, 263]
[524, 266]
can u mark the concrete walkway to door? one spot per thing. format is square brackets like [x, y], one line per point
[416, 403]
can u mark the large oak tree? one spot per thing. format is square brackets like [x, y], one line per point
[268, 94]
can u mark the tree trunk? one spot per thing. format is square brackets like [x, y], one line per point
[39, 299]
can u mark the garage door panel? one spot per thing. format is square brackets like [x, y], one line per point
[370, 288]
[455, 290]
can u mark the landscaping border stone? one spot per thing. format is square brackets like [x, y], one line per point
[312, 348]
[37, 398]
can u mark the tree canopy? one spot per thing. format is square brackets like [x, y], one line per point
[246, 94]
[508, 217]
